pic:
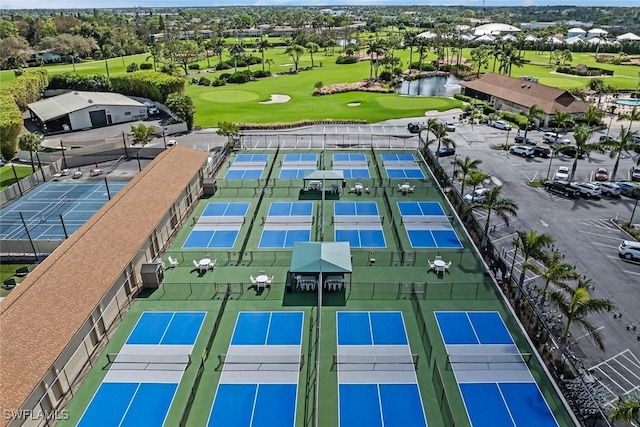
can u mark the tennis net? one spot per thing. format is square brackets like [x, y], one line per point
[358, 219]
[486, 361]
[265, 362]
[377, 362]
[154, 362]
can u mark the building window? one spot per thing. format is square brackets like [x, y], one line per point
[127, 113]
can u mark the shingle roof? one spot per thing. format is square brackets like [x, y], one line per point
[58, 106]
[40, 317]
[526, 93]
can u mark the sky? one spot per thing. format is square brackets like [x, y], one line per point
[64, 4]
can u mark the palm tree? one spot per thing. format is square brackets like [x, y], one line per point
[206, 44]
[430, 126]
[107, 52]
[410, 41]
[532, 245]
[561, 119]
[376, 48]
[494, 203]
[262, 45]
[440, 132]
[466, 166]
[535, 113]
[312, 48]
[623, 143]
[577, 305]
[593, 115]
[235, 51]
[626, 410]
[480, 56]
[30, 142]
[581, 133]
[475, 178]
[556, 272]
[632, 116]
[295, 52]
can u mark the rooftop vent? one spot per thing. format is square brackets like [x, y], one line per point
[90, 101]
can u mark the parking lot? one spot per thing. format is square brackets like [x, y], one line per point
[583, 231]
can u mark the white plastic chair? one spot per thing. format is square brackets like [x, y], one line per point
[253, 280]
[411, 188]
[173, 262]
[432, 266]
[438, 258]
[270, 280]
[400, 187]
[447, 266]
[352, 189]
[196, 265]
[212, 264]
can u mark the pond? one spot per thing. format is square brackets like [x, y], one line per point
[430, 86]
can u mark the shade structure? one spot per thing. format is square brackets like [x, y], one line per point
[325, 174]
[325, 257]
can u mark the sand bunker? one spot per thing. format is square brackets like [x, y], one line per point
[354, 104]
[286, 65]
[277, 99]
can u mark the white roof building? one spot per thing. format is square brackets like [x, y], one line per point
[628, 37]
[494, 28]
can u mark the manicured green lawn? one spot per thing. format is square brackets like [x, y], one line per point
[7, 177]
[241, 103]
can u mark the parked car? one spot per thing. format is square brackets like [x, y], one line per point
[450, 126]
[608, 138]
[413, 127]
[499, 124]
[629, 250]
[629, 189]
[540, 151]
[171, 142]
[589, 190]
[446, 151]
[565, 188]
[609, 189]
[522, 140]
[602, 174]
[479, 195]
[521, 150]
[553, 138]
[562, 173]
[570, 151]
[634, 173]
[152, 110]
[77, 174]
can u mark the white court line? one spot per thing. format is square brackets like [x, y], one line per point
[129, 405]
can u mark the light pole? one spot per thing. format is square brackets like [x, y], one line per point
[553, 153]
[633, 212]
[506, 144]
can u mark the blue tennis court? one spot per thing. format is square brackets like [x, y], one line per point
[42, 207]
[167, 328]
[287, 223]
[500, 395]
[218, 226]
[296, 166]
[247, 166]
[405, 173]
[509, 404]
[420, 208]
[398, 157]
[129, 404]
[264, 400]
[358, 223]
[352, 165]
[377, 398]
[472, 327]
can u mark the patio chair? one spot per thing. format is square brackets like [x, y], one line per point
[447, 266]
[400, 187]
[352, 189]
[270, 280]
[372, 258]
[212, 264]
[260, 272]
[173, 262]
[196, 265]
[438, 258]
[432, 266]
[412, 188]
[253, 280]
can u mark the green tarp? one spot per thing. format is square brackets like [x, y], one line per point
[325, 257]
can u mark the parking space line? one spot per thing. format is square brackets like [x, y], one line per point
[631, 272]
[606, 246]
[602, 235]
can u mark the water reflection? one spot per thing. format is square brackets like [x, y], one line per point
[430, 86]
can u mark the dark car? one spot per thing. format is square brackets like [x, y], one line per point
[564, 188]
[446, 151]
[522, 140]
[539, 151]
[413, 127]
[570, 151]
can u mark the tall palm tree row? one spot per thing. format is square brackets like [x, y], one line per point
[624, 142]
[494, 203]
[466, 166]
[30, 142]
[534, 114]
[532, 245]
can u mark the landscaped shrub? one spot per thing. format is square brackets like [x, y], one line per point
[10, 125]
[195, 66]
[584, 71]
[385, 76]
[346, 60]
[225, 76]
[218, 82]
[260, 74]
[223, 66]
[146, 66]
[132, 67]
[239, 77]
[27, 88]
[461, 97]
[97, 83]
[203, 81]
[425, 66]
[518, 119]
[147, 84]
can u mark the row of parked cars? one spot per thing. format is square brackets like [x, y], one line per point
[592, 190]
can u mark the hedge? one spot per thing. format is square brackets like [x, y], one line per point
[461, 97]
[147, 84]
[27, 88]
[346, 60]
[10, 125]
[96, 83]
[518, 119]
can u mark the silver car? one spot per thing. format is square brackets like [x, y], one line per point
[499, 124]
[609, 189]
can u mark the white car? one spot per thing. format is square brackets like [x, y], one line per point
[521, 150]
[562, 173]
[449, 126]
[589, 190]
[554, 138]
[629, 250]
[634, 173]
[171, 142]
[609, 189]
[499, 124]
[479, 195]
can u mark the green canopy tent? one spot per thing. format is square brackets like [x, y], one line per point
[317, 180]
[321, 258]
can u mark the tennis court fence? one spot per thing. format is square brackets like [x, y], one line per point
[263, 362]
[375, 362]
[444, 402]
